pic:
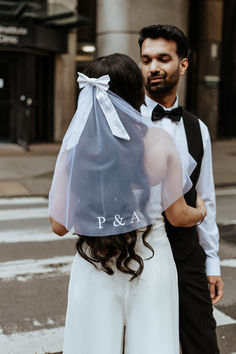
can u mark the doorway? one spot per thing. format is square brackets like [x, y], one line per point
[26, 97]
[7, 97]
[227, 121]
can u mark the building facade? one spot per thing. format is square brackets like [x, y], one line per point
[37, 69]
[44, 42]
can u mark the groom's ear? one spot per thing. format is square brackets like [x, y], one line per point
[183, 66]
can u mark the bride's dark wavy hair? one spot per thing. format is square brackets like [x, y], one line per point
[126, 81]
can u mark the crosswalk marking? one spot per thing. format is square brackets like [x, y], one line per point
[24, 213]
[24, 269]
[22, 201]
[27, 236]
[228, 263]
[51, 340]
[47, 340]
[222, 319]
[227, 222]
[16, 236]
[225, 192]
[31, 211]
[35, 342]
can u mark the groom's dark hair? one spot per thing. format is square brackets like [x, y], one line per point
[167, 32]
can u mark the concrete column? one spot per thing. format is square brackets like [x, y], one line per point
[65, 81]
[65, 88]
[119, 22]
[210, 37]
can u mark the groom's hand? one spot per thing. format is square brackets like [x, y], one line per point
[216, 288]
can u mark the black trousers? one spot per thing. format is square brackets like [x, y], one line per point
[197, 324]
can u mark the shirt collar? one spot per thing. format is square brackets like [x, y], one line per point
[151, 104]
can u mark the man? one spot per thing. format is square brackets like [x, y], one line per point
[164, 60]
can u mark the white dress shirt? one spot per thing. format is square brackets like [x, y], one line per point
[207, 231]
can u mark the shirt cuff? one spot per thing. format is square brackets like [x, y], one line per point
[213, 266]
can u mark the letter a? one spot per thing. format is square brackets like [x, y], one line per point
[101, 221]
[134, 218]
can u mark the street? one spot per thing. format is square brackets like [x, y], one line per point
[34, 276]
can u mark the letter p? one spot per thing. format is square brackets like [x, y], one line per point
[101, 221]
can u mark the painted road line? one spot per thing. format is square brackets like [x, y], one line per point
[24, 213]
[227, 222]
[222, 319]
[225, 192]
[35, 342]
[22, 201]
[16, 236]
[51, 340]
[25, 269]
[228, 263]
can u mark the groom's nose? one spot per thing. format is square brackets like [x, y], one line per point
[155, 66]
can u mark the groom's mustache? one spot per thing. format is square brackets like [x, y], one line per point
[155, 77]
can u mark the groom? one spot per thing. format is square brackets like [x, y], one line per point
[163, 50]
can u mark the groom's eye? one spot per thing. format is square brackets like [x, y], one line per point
[145, 60]
[165, 59]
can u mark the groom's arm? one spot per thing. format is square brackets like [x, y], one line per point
[208, 231]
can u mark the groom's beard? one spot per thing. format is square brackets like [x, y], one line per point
[163, 86]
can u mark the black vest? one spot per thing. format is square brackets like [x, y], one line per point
[184, 239]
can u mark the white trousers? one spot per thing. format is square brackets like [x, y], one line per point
[101, 306]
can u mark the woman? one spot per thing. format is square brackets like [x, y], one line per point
[114, 177]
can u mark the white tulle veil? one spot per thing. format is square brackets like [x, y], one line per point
[114, 173]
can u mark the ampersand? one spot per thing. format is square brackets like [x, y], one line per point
[118, 220]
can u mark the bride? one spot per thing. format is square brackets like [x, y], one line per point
[114, 177]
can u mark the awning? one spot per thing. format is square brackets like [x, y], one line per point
[28, 24]
[53, 15]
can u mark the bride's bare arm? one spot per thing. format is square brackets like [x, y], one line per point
[180, 214]
[58, 228]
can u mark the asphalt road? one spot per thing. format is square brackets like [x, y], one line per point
[34, 276]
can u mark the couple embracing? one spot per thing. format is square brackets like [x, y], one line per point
[134, 181]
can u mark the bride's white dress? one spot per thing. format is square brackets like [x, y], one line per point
[106, 312]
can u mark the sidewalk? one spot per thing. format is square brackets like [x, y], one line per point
[224, 163]
[26, 173]
[29, 173]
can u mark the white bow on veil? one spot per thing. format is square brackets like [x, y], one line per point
[84, 107]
